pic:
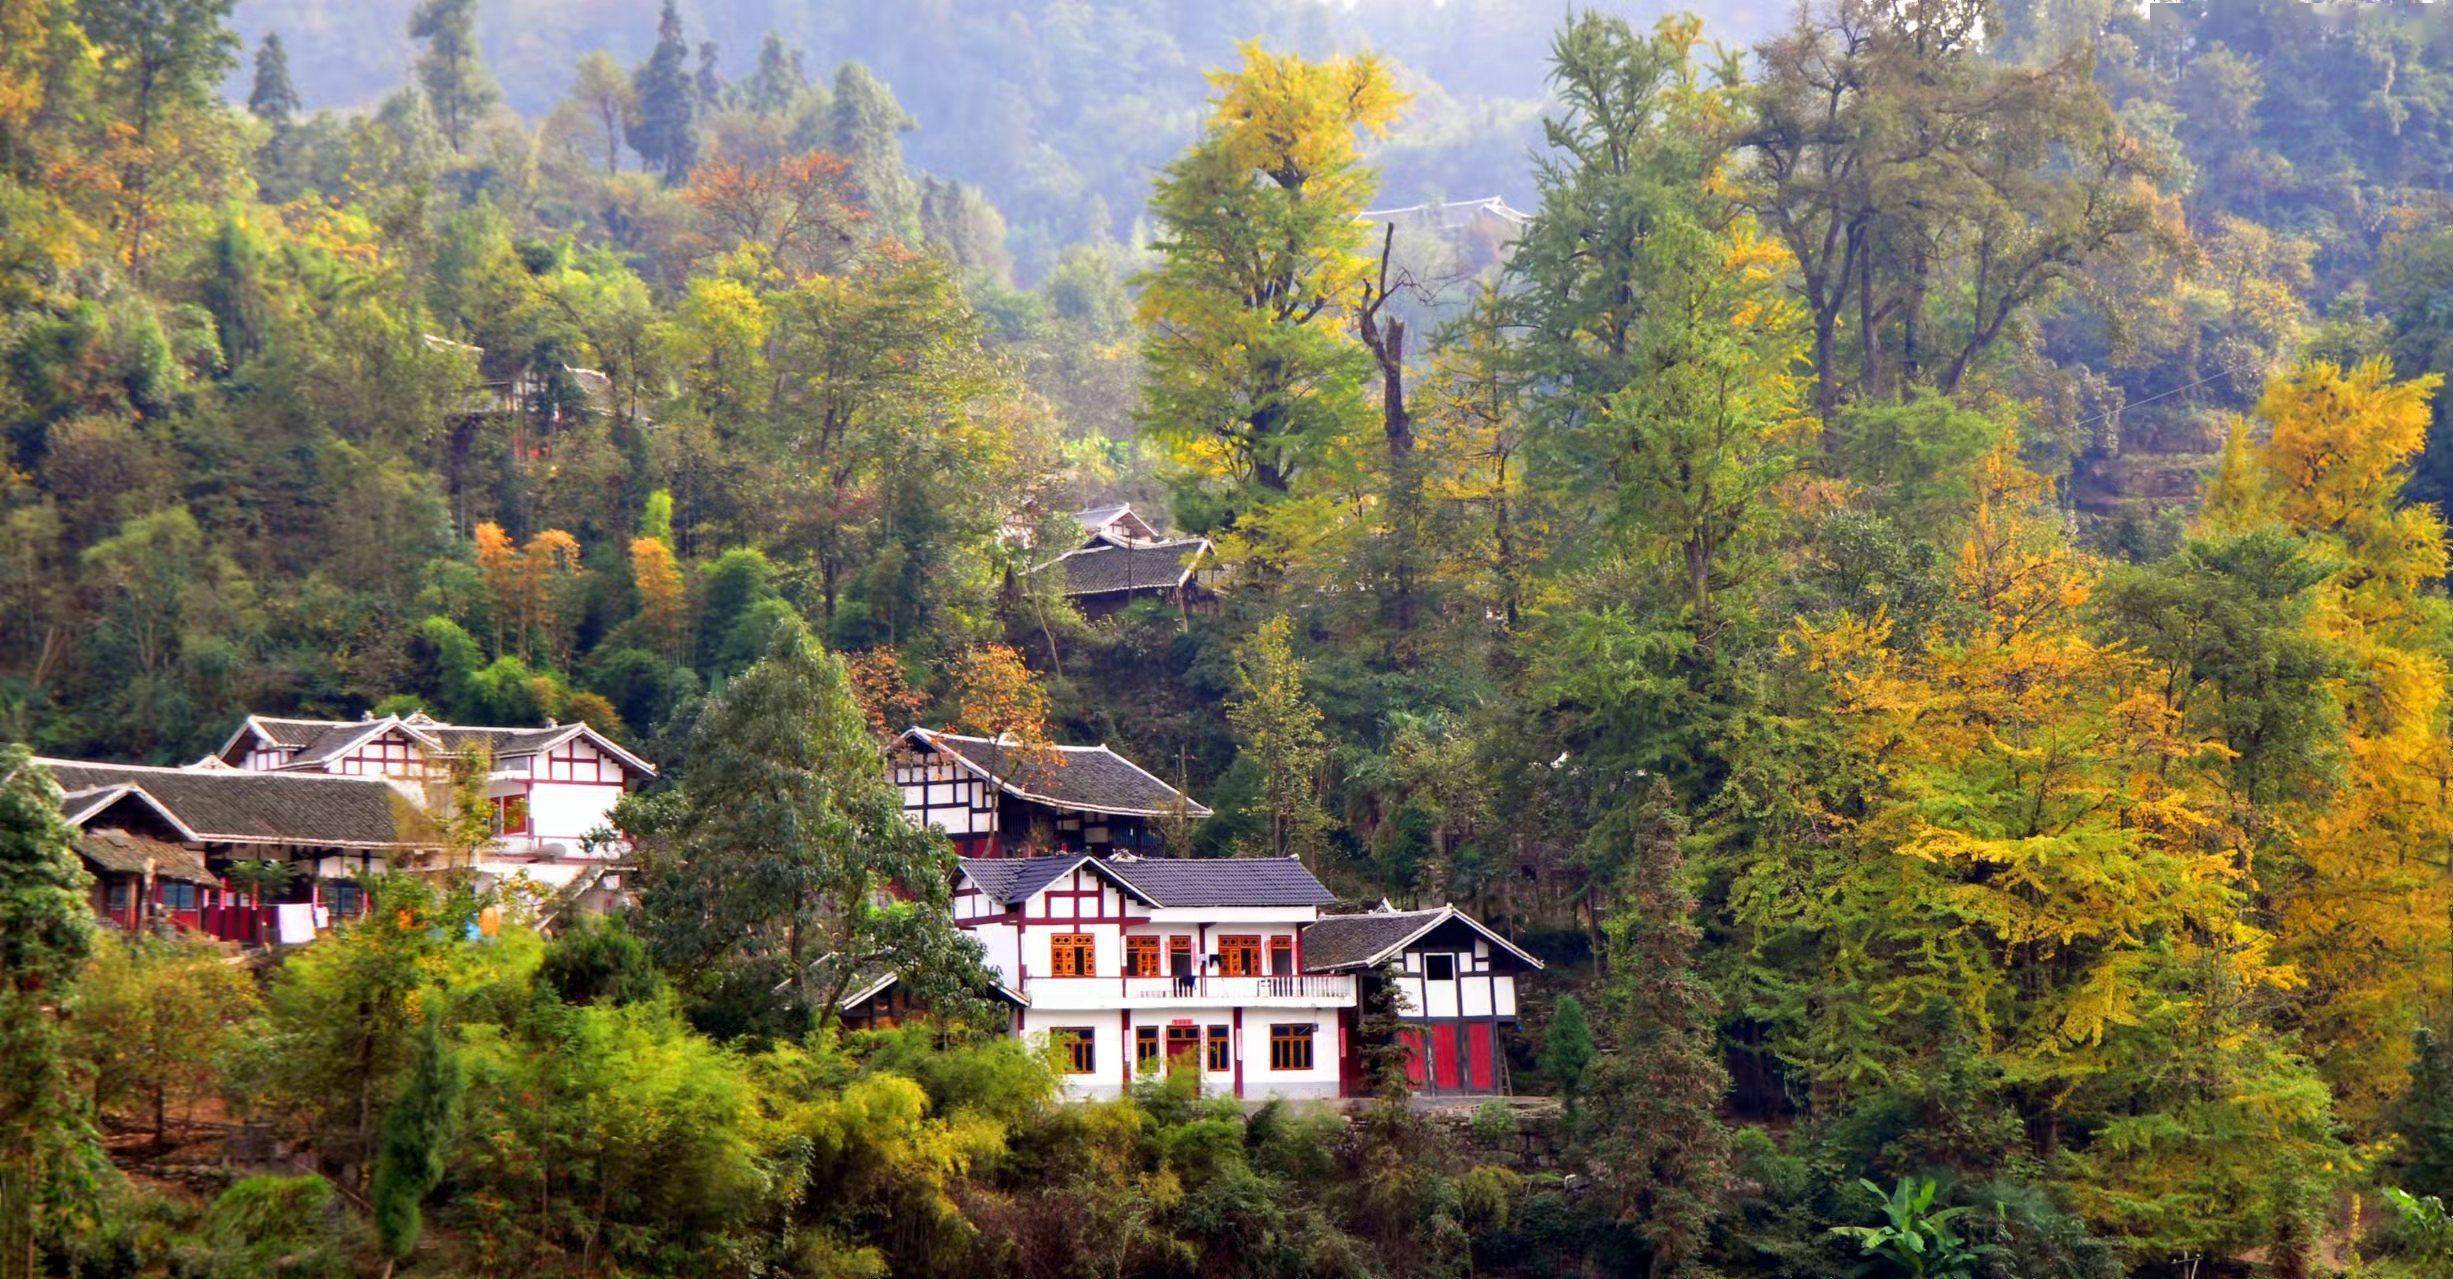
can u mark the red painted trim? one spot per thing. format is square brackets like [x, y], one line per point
[1239, 1052]
[1128, 1050]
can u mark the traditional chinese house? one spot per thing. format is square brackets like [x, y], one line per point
[1454, 980]
[998, 798]
[1121, 559]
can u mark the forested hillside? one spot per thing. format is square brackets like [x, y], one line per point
[1913, 576]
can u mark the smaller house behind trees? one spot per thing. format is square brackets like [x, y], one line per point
[999, 798]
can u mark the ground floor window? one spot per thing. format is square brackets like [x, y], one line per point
[1221, 1049]
[122, 893]
[177, 895]
[1077, 1049]
[348, 900]
[1145, 1045]
[1290, 1047]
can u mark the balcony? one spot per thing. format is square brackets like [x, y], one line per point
[1308, 990]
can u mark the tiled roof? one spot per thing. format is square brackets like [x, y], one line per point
[228, 805]
[317, 741]
[126, 853]
[1351, 941]
[1221, 881]
[1088, 778]
[1144, 566]
[1162, 881]
[1364, 941]
[1014, 879]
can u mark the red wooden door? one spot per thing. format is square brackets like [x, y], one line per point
[1481, 1057]
[1444, 1073]
[1412, 1039]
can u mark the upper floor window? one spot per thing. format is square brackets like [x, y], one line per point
[1441, 967]
[1141, 957]
[1281, 956]
[1240, 956]
[1072, 955]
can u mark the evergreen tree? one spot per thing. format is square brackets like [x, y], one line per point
[416, 1143]
[1567, 1052]
[764, 876]
[867, 130]
[273, 99]
[663, 128]
[1659, 1145]
[46, 1140]
[452, 68]
[2425, 1120]
[779, 78]
[709, 82]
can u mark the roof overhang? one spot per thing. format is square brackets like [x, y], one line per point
[85, 805]
[1441, 916]
[1191, 808]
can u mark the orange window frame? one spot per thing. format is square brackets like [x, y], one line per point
[1290, 1047]
[1141, 956]
[1072, 955]
[1240, 955]
[1221, 1048]
[1281, 956]
[1081, 1045]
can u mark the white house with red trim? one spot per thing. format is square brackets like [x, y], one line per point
[552, 788]
[1121, 963]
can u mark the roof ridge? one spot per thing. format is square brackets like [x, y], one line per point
[186, 770]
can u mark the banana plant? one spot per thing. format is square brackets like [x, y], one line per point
[1915, 1238]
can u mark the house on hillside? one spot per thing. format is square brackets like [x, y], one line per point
[996, 798]
[552, 789]
[1455, 982]
[325, 832]
[1118, 965]
[1121, 558]
[328, 802]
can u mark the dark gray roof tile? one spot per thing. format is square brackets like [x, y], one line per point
[1089, 778]
[240, 806]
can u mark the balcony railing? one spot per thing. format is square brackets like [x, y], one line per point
[1136, 992]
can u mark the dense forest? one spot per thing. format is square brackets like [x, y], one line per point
[1915, 579]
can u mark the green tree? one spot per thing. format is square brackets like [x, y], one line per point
[153, 1017]
[663, 125]
[47, 1143]
[1567, 1052]
[605, 92]
[415, 1147]
[2425, 1119]
[1280, 732]
[866, 128]
[1660, 1145]
[272, 97]
[452, 68]
[763, 877]
[779, 79]
[1255, 374]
